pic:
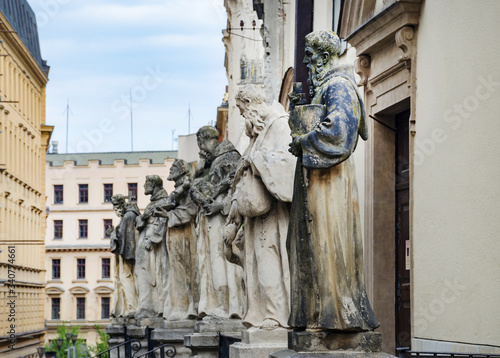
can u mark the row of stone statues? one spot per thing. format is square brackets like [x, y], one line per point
[272, 236]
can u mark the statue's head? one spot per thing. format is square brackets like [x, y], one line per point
[251, 100]
[119, 204]
[207, 137]
[178, 169]
[321, 54]
[152, 182]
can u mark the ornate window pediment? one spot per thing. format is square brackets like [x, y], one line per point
[103, 290]
[79, 290]
[54, 290]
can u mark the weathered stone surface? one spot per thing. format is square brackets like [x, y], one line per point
[151, 322]
[227, 325]
[184, 324]
[254, 336]
[325, 243]
[201, 340]
[261, 195]
[123, 246]
[304, 341]
[136, 331]
[221, 293]
[170, 335]
[258, 350]
[151, 255]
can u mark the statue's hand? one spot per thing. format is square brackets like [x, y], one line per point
[139, 223]
[295, 146]
[148, 245]
[212, 207]
[161, 212]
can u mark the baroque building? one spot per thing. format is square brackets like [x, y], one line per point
[79, 265]
[429, 80]
[24, 140]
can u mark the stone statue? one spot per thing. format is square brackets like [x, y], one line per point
[325, 244]
[123, 240]
[181, 298]
[221, 293]
[151, 256]
[262, 192]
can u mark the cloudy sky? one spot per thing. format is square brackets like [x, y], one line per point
[166, 53]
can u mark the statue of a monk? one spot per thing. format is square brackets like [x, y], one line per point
[182, 284]
[262, 193]
[151, 255]
[221, 289]
[123, 241]
[325, 243]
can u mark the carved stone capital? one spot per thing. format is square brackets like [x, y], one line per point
[362, 67]
[405, 41]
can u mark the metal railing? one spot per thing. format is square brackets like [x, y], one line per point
[129, 346]
[404, 353]
[166, 350]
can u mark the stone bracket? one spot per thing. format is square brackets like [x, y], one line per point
[405, 40]
[362, 67]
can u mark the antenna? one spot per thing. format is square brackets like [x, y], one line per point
[173, 131]
[131, 125]
[189, 118]
[67, 110]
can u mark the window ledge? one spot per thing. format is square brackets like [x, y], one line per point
[80, 280]
[55, 280]
[105, 280]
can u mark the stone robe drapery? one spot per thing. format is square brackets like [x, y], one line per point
[325, 243]
[151, 266]
[181, 298]
[221, 292]
[267, 274]
[123, 239]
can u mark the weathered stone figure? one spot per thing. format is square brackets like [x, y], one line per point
[262, 192]
[182, 286]
[151, 256]
[221, 293]
[123, 241]
[324, 242]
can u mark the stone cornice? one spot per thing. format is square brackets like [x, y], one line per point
[77, 249]
[382, 28]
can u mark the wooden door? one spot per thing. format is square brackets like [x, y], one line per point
[403, 323]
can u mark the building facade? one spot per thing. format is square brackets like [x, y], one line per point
[79, 264]
[426, 175]
[24, 140]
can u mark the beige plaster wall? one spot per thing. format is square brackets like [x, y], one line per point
[456, 270]
[96, 246]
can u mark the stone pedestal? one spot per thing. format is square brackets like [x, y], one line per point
[259, 343]
[333, 344]
[204, 342]
[173, 332]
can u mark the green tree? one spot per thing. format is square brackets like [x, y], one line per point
[62, 329]
[101, 344]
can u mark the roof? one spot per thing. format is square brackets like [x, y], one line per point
[22, 18]
[82, 159]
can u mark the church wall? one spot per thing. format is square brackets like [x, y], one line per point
[456, 275]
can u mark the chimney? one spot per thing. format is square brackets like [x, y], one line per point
[55, 143]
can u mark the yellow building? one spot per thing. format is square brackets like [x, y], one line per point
[23, 143]
[80, 266]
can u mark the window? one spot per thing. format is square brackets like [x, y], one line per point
[106, 268]
[58, 194]
[80, 308]
[108, 223]
[83, 228]
[80, 268]
[132, 191]
[58, 229]
[83, 193]
[108, 192]
[56, 308]
[105, 307]
[56, 269]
